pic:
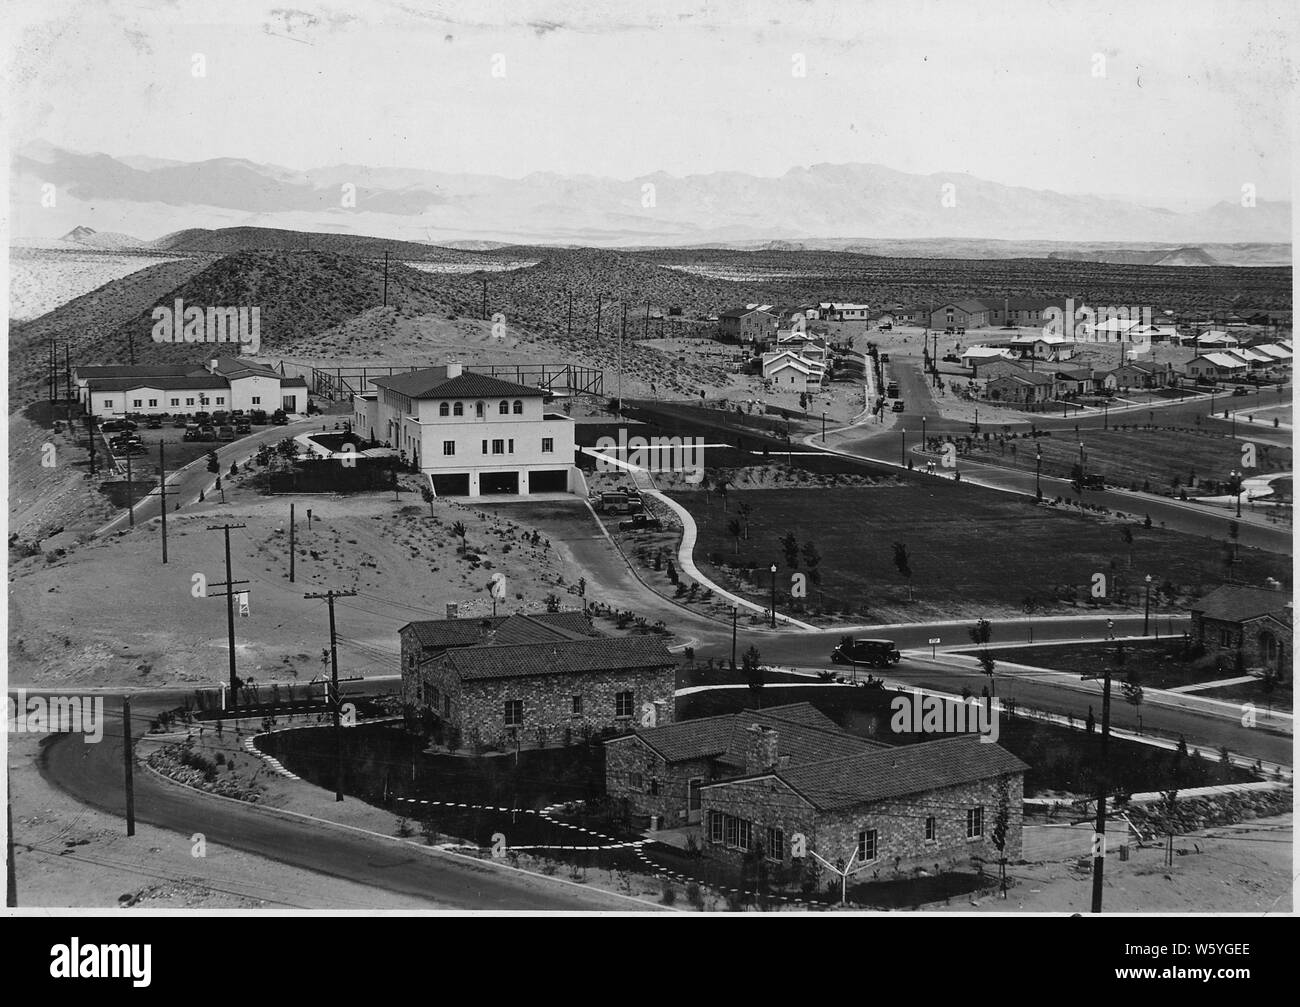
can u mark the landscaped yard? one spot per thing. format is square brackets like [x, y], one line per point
[972, 552]
[1160, 664]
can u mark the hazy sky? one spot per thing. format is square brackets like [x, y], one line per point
[1168, 101]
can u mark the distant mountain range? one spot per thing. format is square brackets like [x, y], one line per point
[153, 197]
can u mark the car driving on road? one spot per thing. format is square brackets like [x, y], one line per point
[878, 653]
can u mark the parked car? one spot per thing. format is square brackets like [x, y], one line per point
[219, 418]
[207, 432]
[226, 433]
[878, 653]
[280, 418]
[898, 406]
[202, 416]
[641, 521]
[952, 358]
[181, 421]
[154, 423]
[134, 448]
[109, 426]
[243, 427]
[258, 416]
[192, 433]
[1239, 390]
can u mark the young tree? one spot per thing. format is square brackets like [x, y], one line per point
[733, 527]
[980, 635]
[1131, 687]
[458, 529]
[749, 662]
[1001, 829]
[812, 560]
[744, 510]
[427, 494]
[213, 464]
[1126, 533]
[790, 546]
[903, 562]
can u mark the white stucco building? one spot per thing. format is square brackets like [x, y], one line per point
[472, 434]
[223, 383]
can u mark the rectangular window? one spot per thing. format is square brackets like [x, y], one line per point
[974, 822]
[745, 834]
[654, 786]
[153, 402]
[446, 706]
[514, 712]
[623, 704]
[931, 830]
[485, 447]
[221, 400]
[498, 446]
[135, 403]
[635, 782]
[510, 448]
[577, 706]
[775, 845]
[188, 402]
[715, 827]
[108, 403]
[867, 846]
[731, 829]
[257, 400]
[176, 402]
[548, 445]
[448, 447]
[428, 694]
[1225, 638]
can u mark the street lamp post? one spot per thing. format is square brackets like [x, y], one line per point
[1236, 485]
[774, 596]
[1038, 472]
[922, 433]
[902, 449]
[823, 426]
[1146, 615]
[1105, 415]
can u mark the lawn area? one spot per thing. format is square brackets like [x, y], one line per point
[972, 552]
[1161, 460]
[1254, 691]
[1161, 664]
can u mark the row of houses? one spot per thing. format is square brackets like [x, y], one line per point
[1025, 382]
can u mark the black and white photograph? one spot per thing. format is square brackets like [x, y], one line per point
[689, 457]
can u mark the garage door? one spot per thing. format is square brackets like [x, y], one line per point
[451, 484]
[551, 481]
[498, 482]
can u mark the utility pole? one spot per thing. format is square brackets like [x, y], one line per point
[734, 614]
[229, 594]
[162, 497]
[621, 333]
[645, 326]
[484, 282]
[599, 298]
[130, 492]
[11, 881]
[335, 702]
[127, 766]
[569, 325]
[1099, 830]
[90, 437]
[291, 552]
[385, 278]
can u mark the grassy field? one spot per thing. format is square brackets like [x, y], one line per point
[1161, 664]
[1134, 458]
[972, 552]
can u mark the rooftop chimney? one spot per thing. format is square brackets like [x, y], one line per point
[453, 370]
[760, 749]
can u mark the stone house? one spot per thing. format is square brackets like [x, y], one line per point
[748, 325]
[1248, 628]
[930, 805]
[660, 771]
[1022, 389]
[503, 694]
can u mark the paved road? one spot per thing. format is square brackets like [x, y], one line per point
[93, 774]
[183, 485]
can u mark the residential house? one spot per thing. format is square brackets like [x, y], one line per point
[1210, 367]
[976, 356]
[844, 311]
[1044, 347]
[472, 434]
[560, 675]
[1215, 339]
[930, 805]
[790, 372]
[1277, 352]
[1020, 311]
[748, 325]
[659, 771]
[1248, 628]
[1136, 374]
[225, 383]
[1027, 388]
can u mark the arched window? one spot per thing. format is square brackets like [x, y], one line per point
[458, 409]
[504, 408]
[519, 407]
[444, 409]
[478, 409]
